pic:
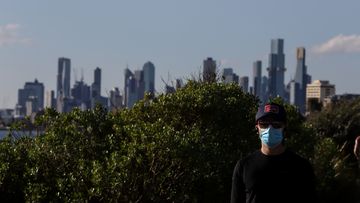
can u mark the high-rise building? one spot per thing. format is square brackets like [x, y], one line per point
[276, 69]
[30, 98]
[131, 92]
[228, 76]
[128, 74]
[149, 77]
[257, 79]
[81, 95]
[244, 83]
[63, 78]
[96, 97]
[63, 84]
[96, 86]
[209, 70]
[50, 99]
[301, 79]
[115, 99]
[264, 89]
[316, 92]
[139, 83]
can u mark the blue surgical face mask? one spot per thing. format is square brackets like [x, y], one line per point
[270, 136]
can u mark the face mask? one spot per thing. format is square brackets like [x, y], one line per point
[271, 136]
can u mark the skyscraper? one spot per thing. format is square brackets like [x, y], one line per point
[140, 86]
[128, 74]
[96, 97]
[209, 70]
[139, 83]
[81, 95]
[276, 69]
[244, 83]
[264, 89]
[149, 77]
[228, 76]
[257, 79]
[50, 99]
[301, 79]
[130, 90]
[30, 98]
[63, 78]
[115, 99]
[96, 86]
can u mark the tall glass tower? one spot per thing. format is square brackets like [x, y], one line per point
[96, 86]
[149, 77]
[209, 70]
[276, 69]
[257, 79]
[63, 78]
[301, 79]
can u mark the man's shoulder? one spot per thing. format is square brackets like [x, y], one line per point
[249, 157]
[245, 160]
[296, 157]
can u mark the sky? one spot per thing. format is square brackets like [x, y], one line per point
[176, 35]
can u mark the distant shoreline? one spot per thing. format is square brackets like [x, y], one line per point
[5, 128]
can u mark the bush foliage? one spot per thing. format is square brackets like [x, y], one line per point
[178, 147]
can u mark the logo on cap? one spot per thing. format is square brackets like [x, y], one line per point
[271, 109]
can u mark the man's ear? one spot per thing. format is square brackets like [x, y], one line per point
[256, 128]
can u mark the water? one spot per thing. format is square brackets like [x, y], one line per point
[5, 132]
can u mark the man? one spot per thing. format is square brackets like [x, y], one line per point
[357, 147]
[273, 173]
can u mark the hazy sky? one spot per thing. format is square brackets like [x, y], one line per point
[176, 36]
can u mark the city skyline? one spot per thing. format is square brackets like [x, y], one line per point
[176, 37]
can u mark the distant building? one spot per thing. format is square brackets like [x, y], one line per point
[264, 89]
[276, 69]
[6, 116]
[301, 79]
[96, 97]
[128, 74]
[228, 76]
[139, 83]
[149, 78]
[115, 99]
[316, 92]
[50, 99]
[63, 77]
[131, 92]
[344, 97]
[209, 70]
[340, 98]
[81, 95]
[63, 84]
[96, 85]
[251, 90]
[244, 83]
[30, 98]
[257, 79]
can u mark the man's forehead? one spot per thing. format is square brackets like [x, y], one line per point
[269, 118]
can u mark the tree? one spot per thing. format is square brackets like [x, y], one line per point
[335, 129]
[190, 141]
